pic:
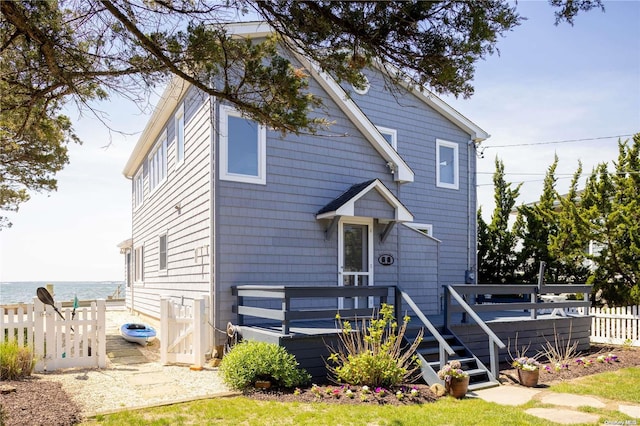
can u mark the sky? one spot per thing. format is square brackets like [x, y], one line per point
[549, 83]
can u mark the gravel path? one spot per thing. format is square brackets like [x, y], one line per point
[139, 384]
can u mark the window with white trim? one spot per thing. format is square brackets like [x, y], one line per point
[162, 252]
[390, 135]
[138, 260]
[157, 162]
[243, 145]
[423, 228]
[138, 189]
[179, 123]
[447, 164]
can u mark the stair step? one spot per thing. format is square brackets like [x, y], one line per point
[436, 364]
[476, 372]
[436, 350]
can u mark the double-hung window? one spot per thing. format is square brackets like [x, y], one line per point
[138, 262]
[179, 123]
[157, 162]
[138, 189]
[162, 252]
[242, 148]
[447, 170]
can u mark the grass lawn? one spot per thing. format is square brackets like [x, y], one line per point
[622, 385]
[619, 385]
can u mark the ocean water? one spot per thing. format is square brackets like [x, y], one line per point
[25, 291]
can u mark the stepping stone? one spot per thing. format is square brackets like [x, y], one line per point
[563, 416]
[630, 410]
[506, 395]
[569, 400]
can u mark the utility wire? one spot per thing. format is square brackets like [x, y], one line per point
[555, 142]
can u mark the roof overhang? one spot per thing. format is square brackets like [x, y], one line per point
[344, 205]
[167, 104]
[126, 245]
[428, 97]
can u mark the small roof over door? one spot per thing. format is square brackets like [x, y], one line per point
[345, 204]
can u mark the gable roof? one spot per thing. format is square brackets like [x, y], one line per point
[344, 205]
[400, 169]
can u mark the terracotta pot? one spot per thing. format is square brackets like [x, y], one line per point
[457, 388]
[528, 378]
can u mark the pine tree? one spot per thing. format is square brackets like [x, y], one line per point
[611, 206]
[497, 241]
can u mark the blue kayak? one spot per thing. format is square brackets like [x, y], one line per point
[137, 333]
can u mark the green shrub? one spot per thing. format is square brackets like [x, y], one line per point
[373, 354]
[249, 361]
[16, 361]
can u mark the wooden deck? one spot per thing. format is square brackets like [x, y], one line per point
[310, 337]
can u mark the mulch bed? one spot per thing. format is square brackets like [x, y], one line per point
[37, 401]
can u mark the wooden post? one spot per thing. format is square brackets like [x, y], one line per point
[101, 331]
[38, 331]
[286, 305]
[199, 321]
[494, 362]
[164, 330]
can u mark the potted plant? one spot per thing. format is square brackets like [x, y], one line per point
[528, 370]
[456, 381]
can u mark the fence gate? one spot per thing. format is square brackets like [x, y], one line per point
[58, 343]
[183, 337]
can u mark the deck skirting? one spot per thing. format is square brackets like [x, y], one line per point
[528, 332]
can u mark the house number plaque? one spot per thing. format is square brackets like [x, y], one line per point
[385, 259]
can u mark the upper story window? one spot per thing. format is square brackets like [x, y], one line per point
[447, 170]
[390, 135]
[138, 189]
[243, 145]
[157, 159]
[179, 122]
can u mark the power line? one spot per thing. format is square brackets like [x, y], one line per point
[556, 142]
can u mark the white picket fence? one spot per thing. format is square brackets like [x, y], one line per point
[58, 343]
[616, 325]
[183, 332]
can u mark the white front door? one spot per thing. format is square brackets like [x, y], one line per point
[355, 258]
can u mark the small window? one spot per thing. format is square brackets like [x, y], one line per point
[162, 251]
[157, 162]
[423, 228]
[446, 164]
[179, 121]
[138, 189]
[390, 135]
[139, 264]
[242, 148]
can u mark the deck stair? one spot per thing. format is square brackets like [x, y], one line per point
[431, 359]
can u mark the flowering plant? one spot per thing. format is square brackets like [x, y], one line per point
[607, 358]
[451, 371]
[526, 364]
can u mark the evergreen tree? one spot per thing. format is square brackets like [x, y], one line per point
[567, 246]
[611, 206]
[535, 226]
[496, 258]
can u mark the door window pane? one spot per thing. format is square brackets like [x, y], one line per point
[355, 248]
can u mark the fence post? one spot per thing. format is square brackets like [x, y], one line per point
[164, 330]
[198, 332]
[50, 343]
[38, 331]
[101, 332]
